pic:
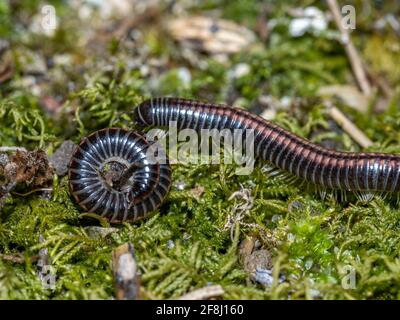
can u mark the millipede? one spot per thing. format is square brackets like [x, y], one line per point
[110, 174]
[141, 187]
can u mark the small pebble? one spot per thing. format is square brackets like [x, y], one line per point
[314, 293]
[184, 76]
[291, 237]
[276, 218]
[308, 264]
[170, 244]
[258, 259]
[264, 276]
[181, 185]
[295, 205]
[60, 159]
[4, 45]
[286, 102]
[239, 70]
[313, 20]
[3, 159]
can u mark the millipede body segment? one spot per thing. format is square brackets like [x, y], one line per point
[350, 171]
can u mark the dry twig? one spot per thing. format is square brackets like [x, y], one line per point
[125, 269]
[18, 258]
[349, 127]
[12, 149]
[204, 293]
[351, 51]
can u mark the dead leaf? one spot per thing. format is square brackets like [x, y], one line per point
[125, 270]
[214, 36]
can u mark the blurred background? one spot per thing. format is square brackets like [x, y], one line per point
[266, 56]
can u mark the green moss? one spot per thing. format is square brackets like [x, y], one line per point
[23, 122]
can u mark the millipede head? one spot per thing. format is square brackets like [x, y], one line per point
[141, 113]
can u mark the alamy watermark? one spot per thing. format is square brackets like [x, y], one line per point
[348, 17]
[48, 19]
[349, 277]
[47, 273]
[189, 146]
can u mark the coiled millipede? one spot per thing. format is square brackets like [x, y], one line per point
[145, 186]
[110, 174]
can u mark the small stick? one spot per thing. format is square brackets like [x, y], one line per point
[262, 26]
[381, 83]
[17, 258]
[351, 51]
[204, 293]
[30, 192]
[246, 248]
[12, 149]
[349, 127]
[125, 269]
[394, 23]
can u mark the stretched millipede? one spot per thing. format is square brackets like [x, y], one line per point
[329, 169]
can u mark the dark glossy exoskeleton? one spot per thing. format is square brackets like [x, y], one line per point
[350, 171]
[110, 174]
